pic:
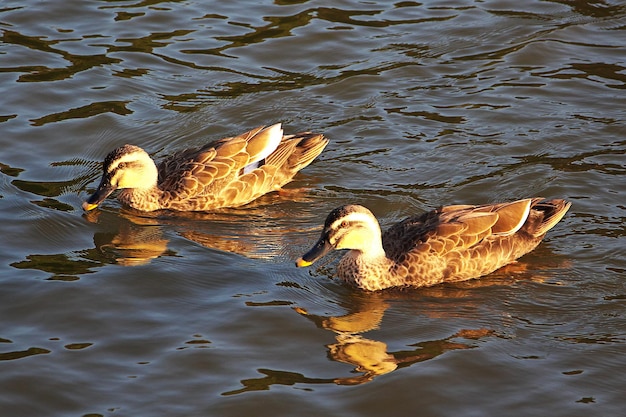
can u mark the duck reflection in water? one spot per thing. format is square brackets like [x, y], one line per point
[371, 358]
[140, 238]
[136, 242]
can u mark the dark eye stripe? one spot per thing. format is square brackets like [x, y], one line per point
[349, 225]
[125, 165]
[343, 228]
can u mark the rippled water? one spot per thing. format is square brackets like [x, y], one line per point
[424, 103]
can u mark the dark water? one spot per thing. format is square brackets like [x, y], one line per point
[115, 314]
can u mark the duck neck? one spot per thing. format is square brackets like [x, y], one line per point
[370, 248]
[367, 268]
[144, 199]
[374, 252]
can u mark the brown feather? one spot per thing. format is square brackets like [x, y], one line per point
[453, 243]
[212, 176]
[257, 144]
[230, 148]
[511, 217]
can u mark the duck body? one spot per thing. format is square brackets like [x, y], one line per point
[452, 243]
[229, 172]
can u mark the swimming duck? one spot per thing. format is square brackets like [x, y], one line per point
[452, 243]
[229, 172]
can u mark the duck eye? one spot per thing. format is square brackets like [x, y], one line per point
[122, 165]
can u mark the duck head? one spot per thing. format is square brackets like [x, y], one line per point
[128, 166]
[347, 227]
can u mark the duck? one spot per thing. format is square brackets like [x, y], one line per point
[448, 244]
[229, 172]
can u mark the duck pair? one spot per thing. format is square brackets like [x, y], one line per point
[451, 243]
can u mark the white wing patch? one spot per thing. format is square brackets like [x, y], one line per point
[275, 135]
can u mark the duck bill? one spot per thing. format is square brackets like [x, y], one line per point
[321, 248]
[103, 191]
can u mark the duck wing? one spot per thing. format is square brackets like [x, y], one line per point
[233, 171]
[293, 153]
[438, 232]
[463, 241]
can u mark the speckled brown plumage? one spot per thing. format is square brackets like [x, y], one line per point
[229, 172]
[452, 243]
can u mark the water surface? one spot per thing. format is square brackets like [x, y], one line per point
[425, 103]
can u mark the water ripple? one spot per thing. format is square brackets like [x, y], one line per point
[425, 104]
